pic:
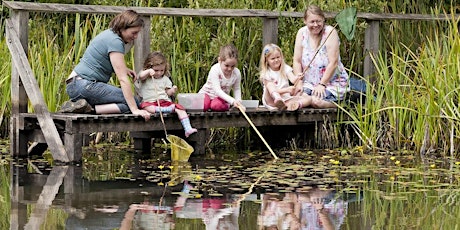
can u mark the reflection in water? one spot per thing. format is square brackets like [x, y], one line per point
[50, 189]
[316, 209]
[63, 199]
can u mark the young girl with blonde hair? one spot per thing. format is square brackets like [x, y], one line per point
[276, 77]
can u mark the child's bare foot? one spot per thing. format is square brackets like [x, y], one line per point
[293, 106]
[280, 105]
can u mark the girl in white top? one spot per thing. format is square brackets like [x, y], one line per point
[276, 76]
[222, 78]
[156, 88]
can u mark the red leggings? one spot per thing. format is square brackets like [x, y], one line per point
[217, 104]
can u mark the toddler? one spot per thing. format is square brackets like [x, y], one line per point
[156, 88]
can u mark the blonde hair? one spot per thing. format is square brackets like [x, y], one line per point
[228, 51]
[268, 50]
[313, 9]
[124, 20]
[156, 58]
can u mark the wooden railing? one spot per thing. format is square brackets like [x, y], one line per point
[24, 85]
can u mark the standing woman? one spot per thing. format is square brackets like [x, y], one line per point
[87, 85]
[325, 78]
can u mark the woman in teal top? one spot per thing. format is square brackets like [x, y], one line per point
[87, 85]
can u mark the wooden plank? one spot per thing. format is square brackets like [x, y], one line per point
[74, 8]
[21, 64]
[83, 123]
[380, 16]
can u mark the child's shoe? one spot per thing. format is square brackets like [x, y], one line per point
[190, 132]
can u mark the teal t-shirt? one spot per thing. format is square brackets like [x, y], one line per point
[95, 64]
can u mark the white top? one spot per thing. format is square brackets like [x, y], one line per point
[280, 82]
[217, 85]
[153, 89]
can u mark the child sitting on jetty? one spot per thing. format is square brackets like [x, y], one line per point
[156, 89]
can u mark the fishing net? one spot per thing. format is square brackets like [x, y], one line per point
[180, 149]
[346, 19]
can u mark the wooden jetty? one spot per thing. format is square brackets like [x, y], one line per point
[63, 133]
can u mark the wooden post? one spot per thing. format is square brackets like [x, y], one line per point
[371, 47]
[142, 45]
[73, 143]
[21, 64]
[19, 99]
[270, 33]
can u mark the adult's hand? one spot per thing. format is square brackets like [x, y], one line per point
[319, 91]
[146, 115]
[132, 74]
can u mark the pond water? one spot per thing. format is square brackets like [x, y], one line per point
[329, 189]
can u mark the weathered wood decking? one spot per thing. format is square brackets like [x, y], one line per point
[73, 127]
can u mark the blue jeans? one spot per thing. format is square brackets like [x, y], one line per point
[98, 93]
[358, 85]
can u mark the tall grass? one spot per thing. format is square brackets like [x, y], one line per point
[5, 81]
[415, 104]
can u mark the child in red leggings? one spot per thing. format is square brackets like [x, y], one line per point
[222, 78]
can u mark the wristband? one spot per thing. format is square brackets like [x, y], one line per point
[322, 84]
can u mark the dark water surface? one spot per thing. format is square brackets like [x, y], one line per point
[337, 189]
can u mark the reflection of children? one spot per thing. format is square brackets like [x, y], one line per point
[156, 89]
[147, 216]
[320, 211]
[279, 214]
[222, 78]
[213, 211]
[275, 76]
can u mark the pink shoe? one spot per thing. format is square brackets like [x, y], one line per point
[190, 132]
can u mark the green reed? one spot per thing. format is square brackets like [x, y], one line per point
[415, 94]
[5, 82]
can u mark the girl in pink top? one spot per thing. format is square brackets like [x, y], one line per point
[222, 78]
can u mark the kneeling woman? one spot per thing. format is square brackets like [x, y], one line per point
[88, 85]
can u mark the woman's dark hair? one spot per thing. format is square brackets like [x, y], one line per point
[125, 20]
